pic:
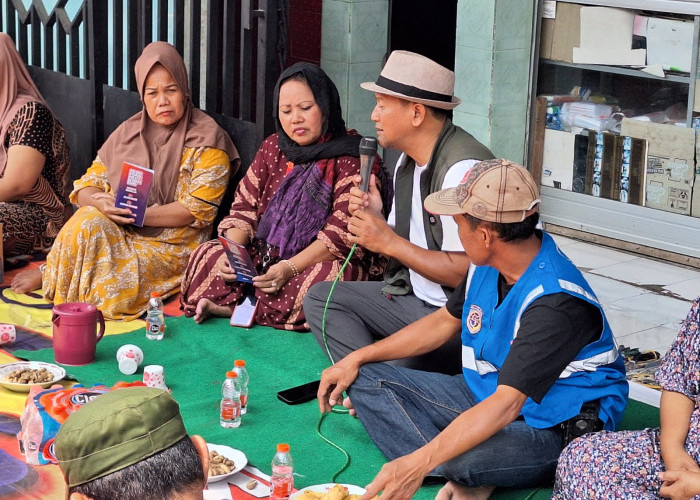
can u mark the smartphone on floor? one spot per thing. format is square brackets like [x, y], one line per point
[299, 394]
[244, 313]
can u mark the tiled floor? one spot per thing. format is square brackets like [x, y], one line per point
[644, 299]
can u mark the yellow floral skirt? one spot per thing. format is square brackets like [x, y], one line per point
[97, 261]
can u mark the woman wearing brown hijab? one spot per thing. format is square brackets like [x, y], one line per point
[100, 257]
[34, 161]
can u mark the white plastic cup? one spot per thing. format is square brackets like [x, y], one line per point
[153, 376]
[129, 357]
[8, 333]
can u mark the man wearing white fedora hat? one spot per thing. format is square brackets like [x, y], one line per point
[540, 362]
[415, 96]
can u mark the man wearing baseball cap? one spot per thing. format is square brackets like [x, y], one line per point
[131, 444]
[540, 365]
[415, 98]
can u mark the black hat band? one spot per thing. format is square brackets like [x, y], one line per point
[411, 91]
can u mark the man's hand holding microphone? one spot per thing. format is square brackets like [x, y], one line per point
[367, 225]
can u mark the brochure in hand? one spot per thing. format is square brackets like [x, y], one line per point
[239, 259]
[134, 188]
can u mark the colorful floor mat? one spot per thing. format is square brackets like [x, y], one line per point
[195, 358]
[32, 317]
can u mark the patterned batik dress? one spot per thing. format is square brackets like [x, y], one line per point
[114, 267]
[32, 223]
[626, 464]
[284, 309]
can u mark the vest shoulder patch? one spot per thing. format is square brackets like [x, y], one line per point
[473, 319]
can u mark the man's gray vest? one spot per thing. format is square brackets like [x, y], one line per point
[453, 145]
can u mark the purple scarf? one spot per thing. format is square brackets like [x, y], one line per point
[299, 208]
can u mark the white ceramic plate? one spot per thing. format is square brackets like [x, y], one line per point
[323, 488]
[58, 374]
[238, 457]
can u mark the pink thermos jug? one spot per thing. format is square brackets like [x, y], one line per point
[75, 334]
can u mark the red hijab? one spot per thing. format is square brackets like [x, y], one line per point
[16, 90]
[141, 141]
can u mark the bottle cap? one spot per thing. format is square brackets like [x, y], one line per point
[239, 362]
[155, 294]
[283, 447]
[231, 374]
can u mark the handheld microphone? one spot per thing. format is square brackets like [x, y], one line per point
[368, 150]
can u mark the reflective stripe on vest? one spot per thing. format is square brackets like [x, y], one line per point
[470, 362]
[589, 364]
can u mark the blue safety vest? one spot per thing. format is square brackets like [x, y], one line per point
[596, 373]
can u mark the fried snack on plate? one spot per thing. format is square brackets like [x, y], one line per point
[311, 495]
[337, 492]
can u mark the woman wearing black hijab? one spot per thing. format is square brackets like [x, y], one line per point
[290, 211]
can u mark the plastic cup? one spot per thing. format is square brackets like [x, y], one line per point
[153, 376]
[129, 357]
[8, 333]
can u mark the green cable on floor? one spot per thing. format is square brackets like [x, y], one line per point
[338, 447]
[532, 495]
[325, 344]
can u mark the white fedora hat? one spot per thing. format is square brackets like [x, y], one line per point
[416, 78]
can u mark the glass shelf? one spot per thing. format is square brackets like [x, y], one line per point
[620, 70]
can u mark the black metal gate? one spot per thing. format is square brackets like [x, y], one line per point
[232, 48]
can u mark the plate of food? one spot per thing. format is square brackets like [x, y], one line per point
[23, 375]
[224, 461]
[329, 491]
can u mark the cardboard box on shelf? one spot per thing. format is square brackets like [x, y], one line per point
[546, 38]
[558, 159]
[595, 163]
[670, 171]
[564, 160]
[590, 35]
[606, 37]
[565, 31]
[670, 43]
[604, 159]
[633, 170]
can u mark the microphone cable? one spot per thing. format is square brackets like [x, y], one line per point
[330, 357]
[368, 151]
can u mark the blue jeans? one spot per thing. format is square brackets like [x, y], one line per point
[403, 409]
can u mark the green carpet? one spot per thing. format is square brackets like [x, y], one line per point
[195, 359]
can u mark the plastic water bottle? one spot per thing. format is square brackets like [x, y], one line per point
[230, 414]
[32, 431]
[155, 320]
[282, 480]
[240, 369]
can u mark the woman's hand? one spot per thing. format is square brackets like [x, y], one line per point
[680, 460]
[224, 268]
[104, 202]
[679, 484]
[274, 279]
